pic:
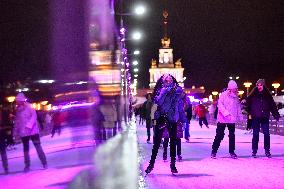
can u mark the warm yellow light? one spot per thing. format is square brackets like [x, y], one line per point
[215, 93]
[193, 87]
[210, 98]
[10, 99]
[276, 85]
[241, 92]
[34, 105]
[202, 87]
[44, 103]
[247, 84]
[48, 107]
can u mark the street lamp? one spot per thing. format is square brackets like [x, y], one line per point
[214, 93]
[276, 86]
[247, 85]
[136, 52]
[136, 35]
[140, 10]
[241, 93]
[135, 70]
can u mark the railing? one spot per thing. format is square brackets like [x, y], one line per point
[275, 127]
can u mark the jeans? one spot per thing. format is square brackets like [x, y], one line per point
[3, 150]
[264, 124]
[186, 130]
[36, 141]
[203, 120]
[220, 133]
[148, 126]
[157, 141]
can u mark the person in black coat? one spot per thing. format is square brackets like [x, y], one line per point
[3, 144]
[146, 108]
[188, 110]
[260, 103]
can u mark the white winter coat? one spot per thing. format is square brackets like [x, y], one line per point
[229, 108]
[26, 121]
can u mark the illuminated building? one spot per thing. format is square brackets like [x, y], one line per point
[166, 64]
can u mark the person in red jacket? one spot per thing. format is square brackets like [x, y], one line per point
[58, 118]
[201, 113]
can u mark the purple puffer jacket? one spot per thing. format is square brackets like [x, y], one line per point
[179, 131]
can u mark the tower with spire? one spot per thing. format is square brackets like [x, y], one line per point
[166, 63]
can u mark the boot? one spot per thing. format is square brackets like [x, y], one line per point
[6, 170]
[165, 156]
[213, 155]
[149, 168]
[173, 168]
[173, 165]
[233, 155]
[267, 153]
[179, 158]
[45, 166]
[26, 169]
[254, 152]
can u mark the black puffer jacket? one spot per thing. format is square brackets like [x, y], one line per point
[260, 104]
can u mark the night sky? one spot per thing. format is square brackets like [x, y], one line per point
[215, 39]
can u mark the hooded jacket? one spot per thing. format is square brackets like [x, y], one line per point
[260, 104]
[170, 103]
[229, 108]
[26, 121]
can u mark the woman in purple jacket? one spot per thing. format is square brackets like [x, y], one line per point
[168, 96]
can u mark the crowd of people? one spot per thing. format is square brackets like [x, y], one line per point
[168, 111]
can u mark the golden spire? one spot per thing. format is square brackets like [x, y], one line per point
[165, 15]
[165, 41]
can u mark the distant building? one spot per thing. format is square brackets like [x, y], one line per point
[166, 64]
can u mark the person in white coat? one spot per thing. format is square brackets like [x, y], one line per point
[229, 113]
[26, 127]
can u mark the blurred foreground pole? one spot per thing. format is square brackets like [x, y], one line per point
[68, 28]
[105, 67]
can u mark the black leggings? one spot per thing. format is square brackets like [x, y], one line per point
[157, 141]
[36, 141]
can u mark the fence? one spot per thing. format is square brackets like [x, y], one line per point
[275, 127]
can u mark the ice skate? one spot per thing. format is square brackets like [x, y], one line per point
[149, 169]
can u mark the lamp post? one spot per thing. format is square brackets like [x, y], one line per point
[247, 85]
[139, 10]
[276, 86]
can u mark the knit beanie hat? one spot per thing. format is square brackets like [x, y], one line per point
[260, 81]
[232, 85]
[21, 97]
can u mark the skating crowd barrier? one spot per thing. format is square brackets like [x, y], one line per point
[275, 127]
